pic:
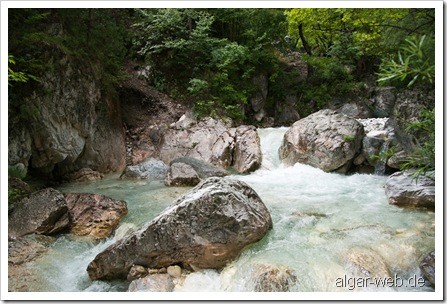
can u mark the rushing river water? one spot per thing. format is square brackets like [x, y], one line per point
[319, 220]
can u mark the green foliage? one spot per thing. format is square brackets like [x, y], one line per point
[361, 31]
[348, 138]
[208, 56]
[423, 158]
[91, 37]
[14, 76]
[414, 63]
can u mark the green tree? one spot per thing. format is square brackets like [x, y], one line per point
[208, 56]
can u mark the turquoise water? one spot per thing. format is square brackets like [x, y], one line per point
[319, 219]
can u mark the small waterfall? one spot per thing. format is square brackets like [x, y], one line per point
[380, 166]
[271, 139]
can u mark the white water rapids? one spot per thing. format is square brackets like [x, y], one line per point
[318, 220]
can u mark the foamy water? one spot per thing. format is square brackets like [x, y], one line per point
[318, 220]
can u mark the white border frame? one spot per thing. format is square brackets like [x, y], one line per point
[422, 296]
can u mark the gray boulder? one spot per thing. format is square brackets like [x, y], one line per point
[427, 267]
[149, 168]
[181, 174]
[159, 282]
[93, 214]
[188, 171]
[247, 151]
[207, 227]
[210, 140]
[43, 212]
[326, 140]
[403, 189]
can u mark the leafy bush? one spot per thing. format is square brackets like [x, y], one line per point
[423, 158]
[414, 63]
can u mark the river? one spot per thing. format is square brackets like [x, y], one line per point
[319, 219]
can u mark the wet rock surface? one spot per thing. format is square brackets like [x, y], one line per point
[271, 278]
[207, 227]
[43, 212]
[93, 214]
[188, 171]
[427, 267]
[326, 140]
[405, 190]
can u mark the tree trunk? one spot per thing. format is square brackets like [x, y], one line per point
[305, 44]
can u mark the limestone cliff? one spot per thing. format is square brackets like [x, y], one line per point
[67, 123]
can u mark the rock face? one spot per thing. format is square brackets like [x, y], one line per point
[206, 228]
[188, 171]
[43, 212]
[326, 140]
[383, 101]
[384, 145]
[211, 141]
[427, 267]
[247, 151]
[74, 126]
[404, 190]
[150, 168]
[93, 214]
[269, 278]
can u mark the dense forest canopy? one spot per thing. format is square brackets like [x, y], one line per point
[208, 58]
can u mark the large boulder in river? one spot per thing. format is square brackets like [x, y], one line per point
[93, 214]
[247, 150]
[188, 171]
[206, 228]
[210, 140]
[326, 140]
[404, 189]
[43, 212]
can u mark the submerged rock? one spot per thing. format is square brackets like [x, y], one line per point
[43, 212]
[93, 214]
[206, 227]
[21, 251]
[188, 171]
[427, 267]
[270, 278]
[363, 262]
[84, 175]
[326, 140]
[403, 189]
